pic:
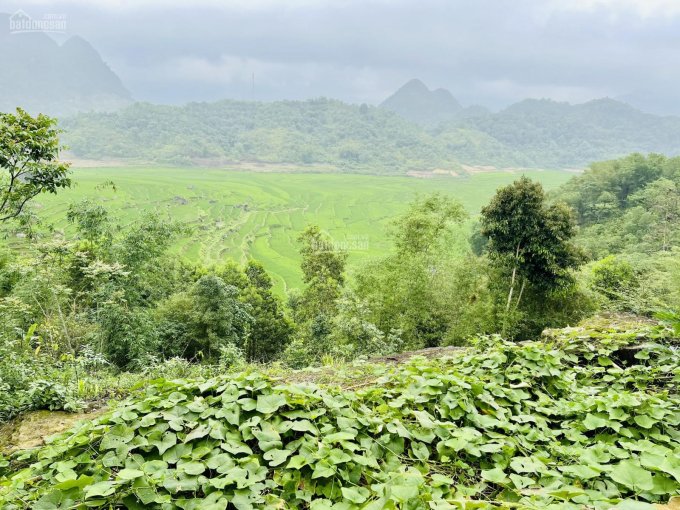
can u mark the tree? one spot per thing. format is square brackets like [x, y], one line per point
[91, 221]
[425, 224]
[202, 321]
[29, 151]
[662, 199]
[323, 270]
[530, 238]
[415, 290]
[219, 318]
[271, 330]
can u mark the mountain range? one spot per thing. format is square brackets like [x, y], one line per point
[415, 129]
[536, 132]
[362, 138]
[42, 75]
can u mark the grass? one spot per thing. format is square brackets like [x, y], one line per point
[246, 214]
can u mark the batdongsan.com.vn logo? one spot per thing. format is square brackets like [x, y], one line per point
[20, 22]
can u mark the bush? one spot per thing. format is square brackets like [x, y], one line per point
[613, 278]
[43, 394]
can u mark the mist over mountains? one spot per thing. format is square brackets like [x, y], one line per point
[362, 138]
[41, 75]
[414, 129]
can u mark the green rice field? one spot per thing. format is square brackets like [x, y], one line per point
[237, 215]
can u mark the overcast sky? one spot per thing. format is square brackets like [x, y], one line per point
[490, 52]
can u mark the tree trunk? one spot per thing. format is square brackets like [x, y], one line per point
[521, 291]
[512, 280]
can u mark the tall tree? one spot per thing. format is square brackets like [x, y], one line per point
[661, 198]
[271, 330]
[323, 270]
[414, 290]
[29, 151]
[529, 238]
[425, 224]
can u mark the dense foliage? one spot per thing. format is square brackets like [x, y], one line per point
[314, 133]
[113, 299]
[29, 164]
[629, 216]
[553, 134]
[325, 134]
[577, 419]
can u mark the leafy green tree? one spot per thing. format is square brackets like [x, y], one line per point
[271, 330]
[323, 268]
[29, 151]
[354, 334]
[128, 336]
[530, 238]
[613, 278]
[606, 188]
[416, 290]
[198, 323]
[91, 221]
[426, 224]
[662, 199]
[323, 272]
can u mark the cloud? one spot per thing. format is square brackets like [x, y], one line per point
[487, 51]
[644, 8]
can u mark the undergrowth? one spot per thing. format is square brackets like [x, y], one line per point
[581, 420]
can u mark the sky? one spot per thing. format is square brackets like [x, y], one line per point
[489, 52]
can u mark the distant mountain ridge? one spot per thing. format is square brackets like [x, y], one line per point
[415, 102]
[532, 133]
[41, 75]
[550, 133]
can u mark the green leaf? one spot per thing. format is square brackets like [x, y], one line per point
[191, 468]
[323, 470]
[496, 475]
[267, 404]
[420, 451]
[355, 494]
[177, 452]
[198, 433]
[403, 492]
[276, 457]
[117, 436]
[129, 474]
[644, 421]
[337, 456]
[100, 489]
[632, 476]
[581, 472]
[339, 436]
[592, 422]
[168, 440]
[81, 481]
[296, 462]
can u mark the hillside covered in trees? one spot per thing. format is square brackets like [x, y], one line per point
[332, 135]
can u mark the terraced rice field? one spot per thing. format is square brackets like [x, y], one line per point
[247, 214]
